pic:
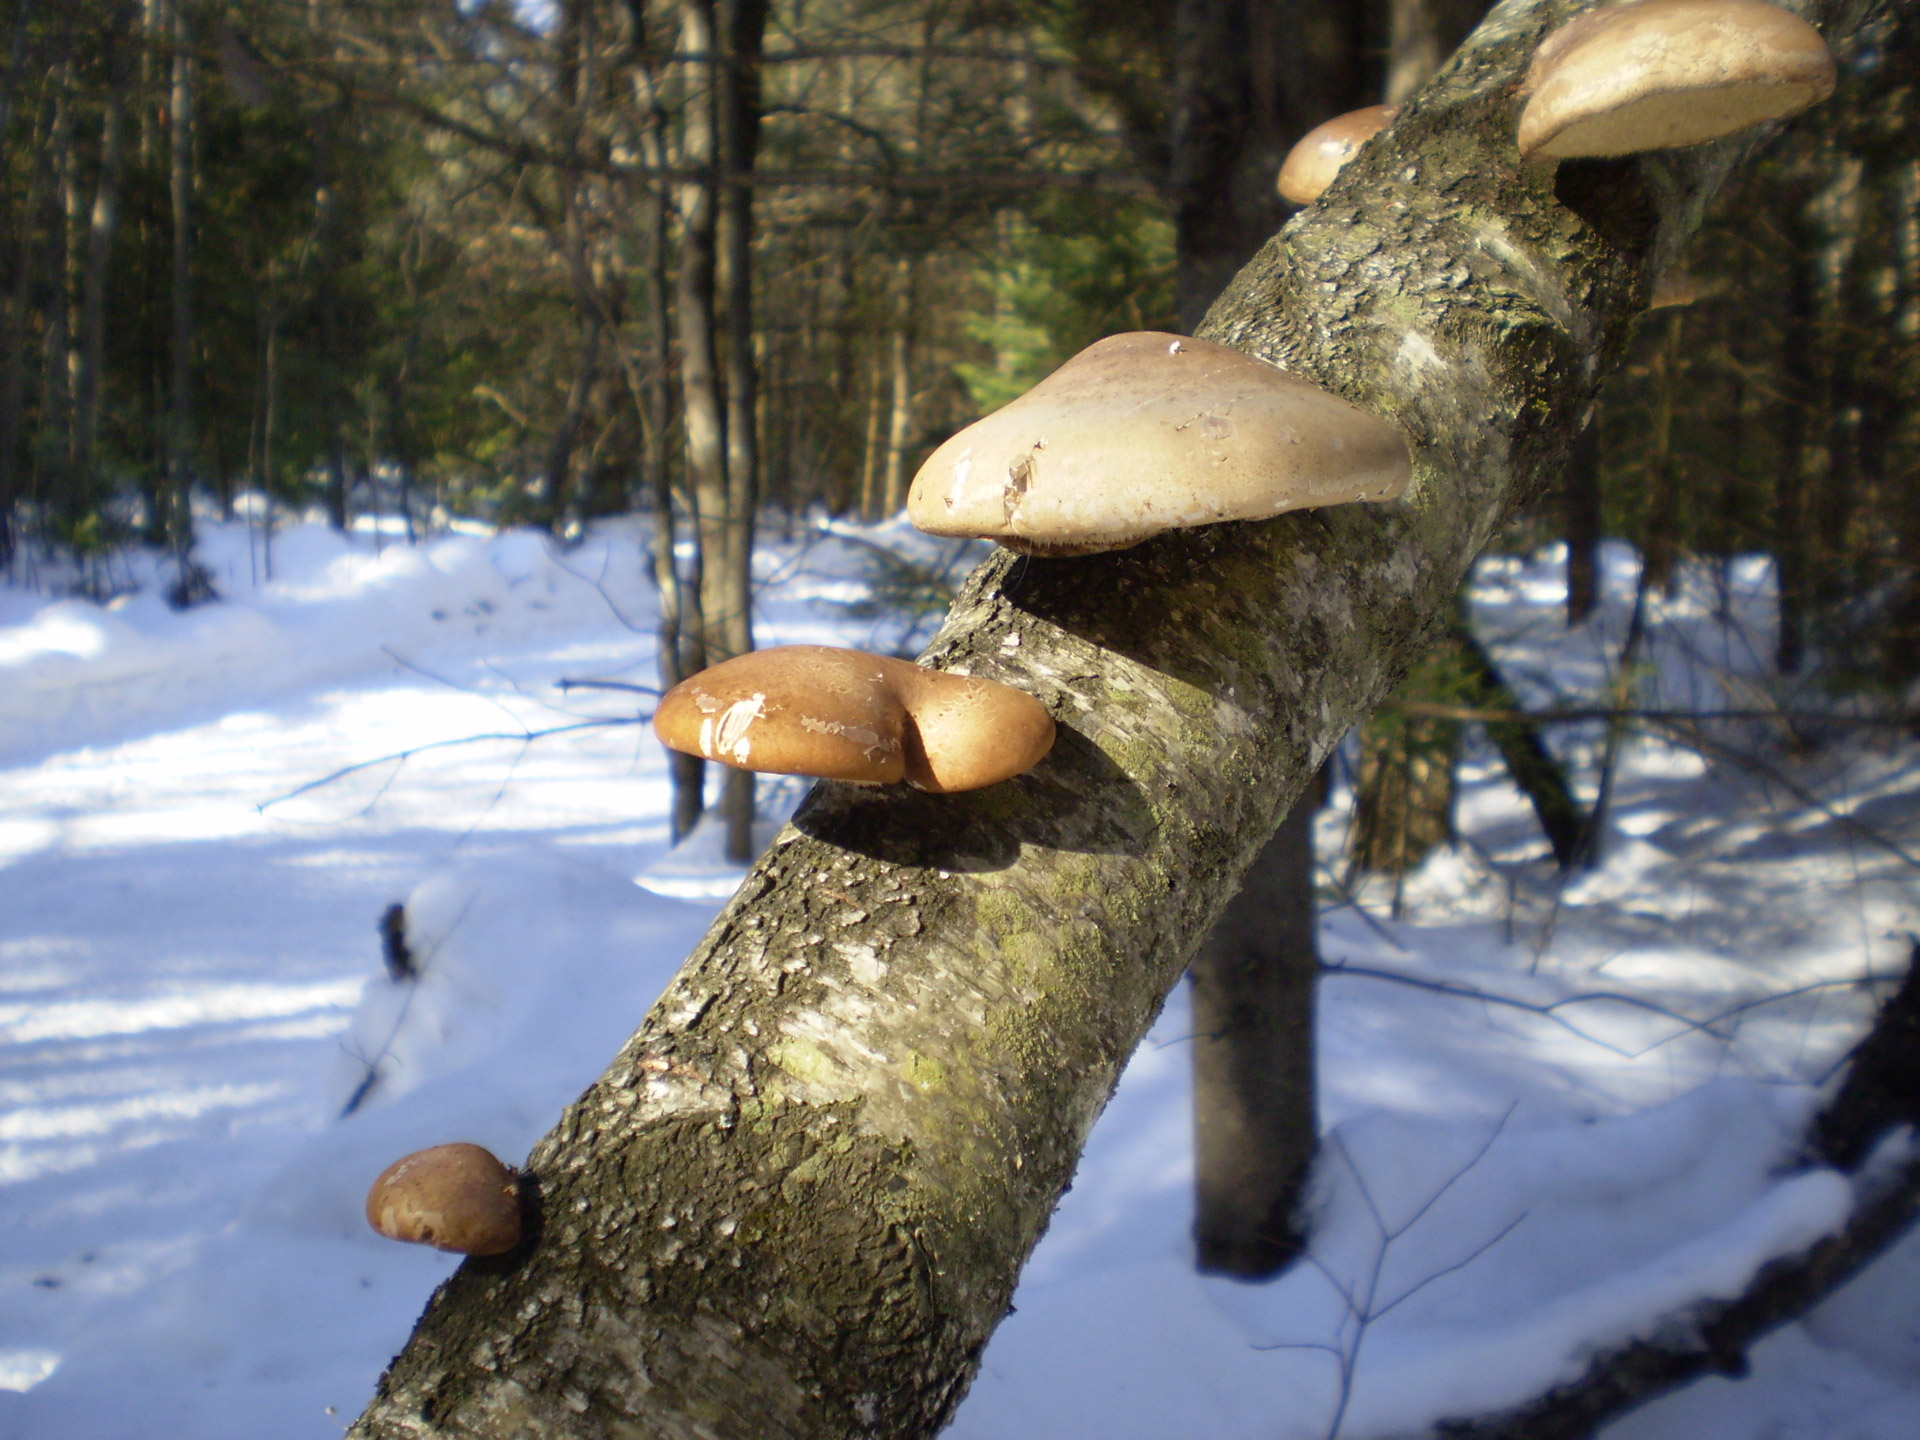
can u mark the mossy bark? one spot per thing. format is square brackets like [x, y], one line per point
[797, 1202]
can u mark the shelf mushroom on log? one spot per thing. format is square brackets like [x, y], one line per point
[1655, 74]
[847, 715]
[1148, 432]
[453, 1197]
[1324, 151]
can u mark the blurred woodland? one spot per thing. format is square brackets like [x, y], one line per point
[724, 260]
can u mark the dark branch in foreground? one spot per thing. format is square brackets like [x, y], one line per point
[1878, 1095]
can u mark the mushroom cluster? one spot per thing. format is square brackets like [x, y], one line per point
[1148, 432]
[453, 1197]
[846, 715]
[1654, 74]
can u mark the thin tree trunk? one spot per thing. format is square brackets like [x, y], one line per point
[1255, 1115]
[1659, 544]
[1580, 484]
[1249, 77]
[1421, 34]
[102, 224]
[702, 411]
[900, 401]
[870, 450]
[797, 1202]
[175, 526]
[743, 26]
[680, 653]
[1790, 539]
[14, 335]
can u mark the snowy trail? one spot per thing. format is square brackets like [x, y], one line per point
[190, 987]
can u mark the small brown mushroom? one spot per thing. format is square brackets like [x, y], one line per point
[1654, 74]
[1148, 432]
[453, 1197]
[1674, 287]
[1324, 150]
[847, 715]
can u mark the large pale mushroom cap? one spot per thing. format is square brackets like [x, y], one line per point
[1654, 74]
[453, 1197]
[1148, 432]
[847, 715]
[1324, 150]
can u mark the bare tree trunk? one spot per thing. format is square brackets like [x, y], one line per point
[1580, 489]
[102, 224]
[1659, 545]
[1790, 540]
[702, 408]
[14, 334]
[743, 26]
[1255, 1113]
[175, 526]
[900, 405]
[679, 630]
[1421, 34]
[870, 451]
[797, 1202]
[1249, 77]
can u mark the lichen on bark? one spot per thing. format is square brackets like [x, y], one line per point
[797, 1202]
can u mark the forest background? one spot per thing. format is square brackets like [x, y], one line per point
[718, 261]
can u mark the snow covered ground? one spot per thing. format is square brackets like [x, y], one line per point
[191, 991]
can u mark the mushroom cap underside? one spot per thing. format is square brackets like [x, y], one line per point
[1148, 432]
[1656, 74]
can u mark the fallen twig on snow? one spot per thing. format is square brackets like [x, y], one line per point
[1713, 1337]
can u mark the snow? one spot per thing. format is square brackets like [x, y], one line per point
[203, 1061]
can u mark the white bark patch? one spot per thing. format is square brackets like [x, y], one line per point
[864, 961]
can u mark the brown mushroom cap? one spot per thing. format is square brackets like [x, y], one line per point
[452, 1197]
[1323, 151]
[847, 715]
[1147, 432]
[1654, 74]
[1674, 287]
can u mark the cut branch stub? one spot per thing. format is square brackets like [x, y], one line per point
[846, 715]
[1148, 432]
[1324, 151]
[1654, 74]
[453, 1197]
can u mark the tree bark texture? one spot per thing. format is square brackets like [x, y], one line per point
[798, 1200]
[1250, 77]
[1255, 1116]
[743, 25]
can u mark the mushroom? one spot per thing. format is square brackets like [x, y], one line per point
[847, 715]
[1653, 74]
[453, 1197]
[1147, 432]
[1311, 165]
[1674, 287]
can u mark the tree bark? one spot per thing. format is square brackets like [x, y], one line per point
[175, 526]
[1421, 34]
[797, 1202]
[102, 223]
[1255, 1110]
[679, 629]
[743, 26]
[1582, 523]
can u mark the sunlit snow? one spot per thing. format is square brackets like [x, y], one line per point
[1555, 1113]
